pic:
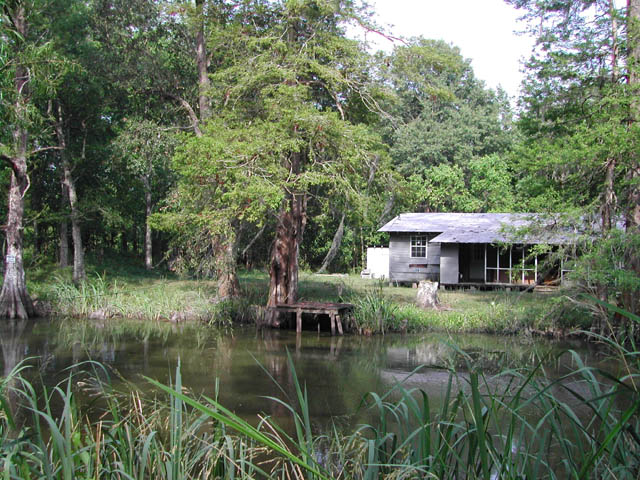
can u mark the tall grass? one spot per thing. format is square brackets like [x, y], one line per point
[519, 423]
[373, 311]
[119, 290]
[513, 426]
[130, 438]
[155, 299]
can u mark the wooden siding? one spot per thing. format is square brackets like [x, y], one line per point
[449, 264]
[400, 260]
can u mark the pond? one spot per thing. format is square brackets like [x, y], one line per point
[244, 366]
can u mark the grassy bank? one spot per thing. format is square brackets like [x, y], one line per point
[117, 290]
[120, 290]
[380, 306]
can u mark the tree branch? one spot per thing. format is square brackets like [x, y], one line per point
[370, 29]
[335, 246]
[195, 122]
[44, 149]
[253, 240]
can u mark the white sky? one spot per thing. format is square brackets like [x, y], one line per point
[482, 29]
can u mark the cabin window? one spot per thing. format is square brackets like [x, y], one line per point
[418, 246]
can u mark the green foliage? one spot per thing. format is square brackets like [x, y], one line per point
[607, 265]
[145, 149]
[579, 152]
[373, 313]
[447, 131]
[520, 423]
[284, 106]
[577, 112]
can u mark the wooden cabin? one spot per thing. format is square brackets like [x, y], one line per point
[470, 249]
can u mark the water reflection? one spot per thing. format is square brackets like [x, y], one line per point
[14, 341]
[245, 367]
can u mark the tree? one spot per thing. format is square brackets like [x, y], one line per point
[445, 124]
[580, 146]
[575, 97]
[279, 130]
[145, 149]
[70, 193]
[30, 69]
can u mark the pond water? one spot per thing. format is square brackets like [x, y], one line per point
[243, 366]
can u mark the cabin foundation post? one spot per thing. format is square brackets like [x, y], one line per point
[332, 316]
[299, 320]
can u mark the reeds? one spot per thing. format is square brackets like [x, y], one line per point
[154, 299]
[374, 312]
[130, 437]
[520, 423]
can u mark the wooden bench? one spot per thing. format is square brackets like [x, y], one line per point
[336, 312]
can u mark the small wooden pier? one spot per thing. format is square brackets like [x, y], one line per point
[335, 311]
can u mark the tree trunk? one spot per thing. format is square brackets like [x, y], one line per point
[223, 245]
[228, 284]
[37, 244]
[633, 62]
[608, 201]
[204, 102]
[283, 269]
[135, 239]
[245, 251]
[148, 244]
[632, 220]
[14, 299]
[388, 207]
[79, 274]
[335, 246]
[63, 254]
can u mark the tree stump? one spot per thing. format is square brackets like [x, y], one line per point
[427, 296]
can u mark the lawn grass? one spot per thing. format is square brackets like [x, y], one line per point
[117, 289]
[491, 311]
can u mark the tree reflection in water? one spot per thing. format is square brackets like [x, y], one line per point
[14, 337]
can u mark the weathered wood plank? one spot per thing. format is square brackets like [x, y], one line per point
[335, 311]
[450, 269]
[400, 260]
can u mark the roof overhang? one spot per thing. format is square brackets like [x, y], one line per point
[514, 228]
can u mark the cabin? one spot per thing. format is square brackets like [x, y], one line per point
[472, 249]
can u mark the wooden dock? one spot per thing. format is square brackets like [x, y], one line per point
[335, 311]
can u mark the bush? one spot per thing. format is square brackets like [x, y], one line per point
[373, 312]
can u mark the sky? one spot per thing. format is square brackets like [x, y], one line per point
[482, 29]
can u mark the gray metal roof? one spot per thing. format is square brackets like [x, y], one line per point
[481, 227]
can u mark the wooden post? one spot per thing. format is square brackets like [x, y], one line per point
[485, 263]
[298, 320]
[333, 323]
[339, 320]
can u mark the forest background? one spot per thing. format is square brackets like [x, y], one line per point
[210, 136]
